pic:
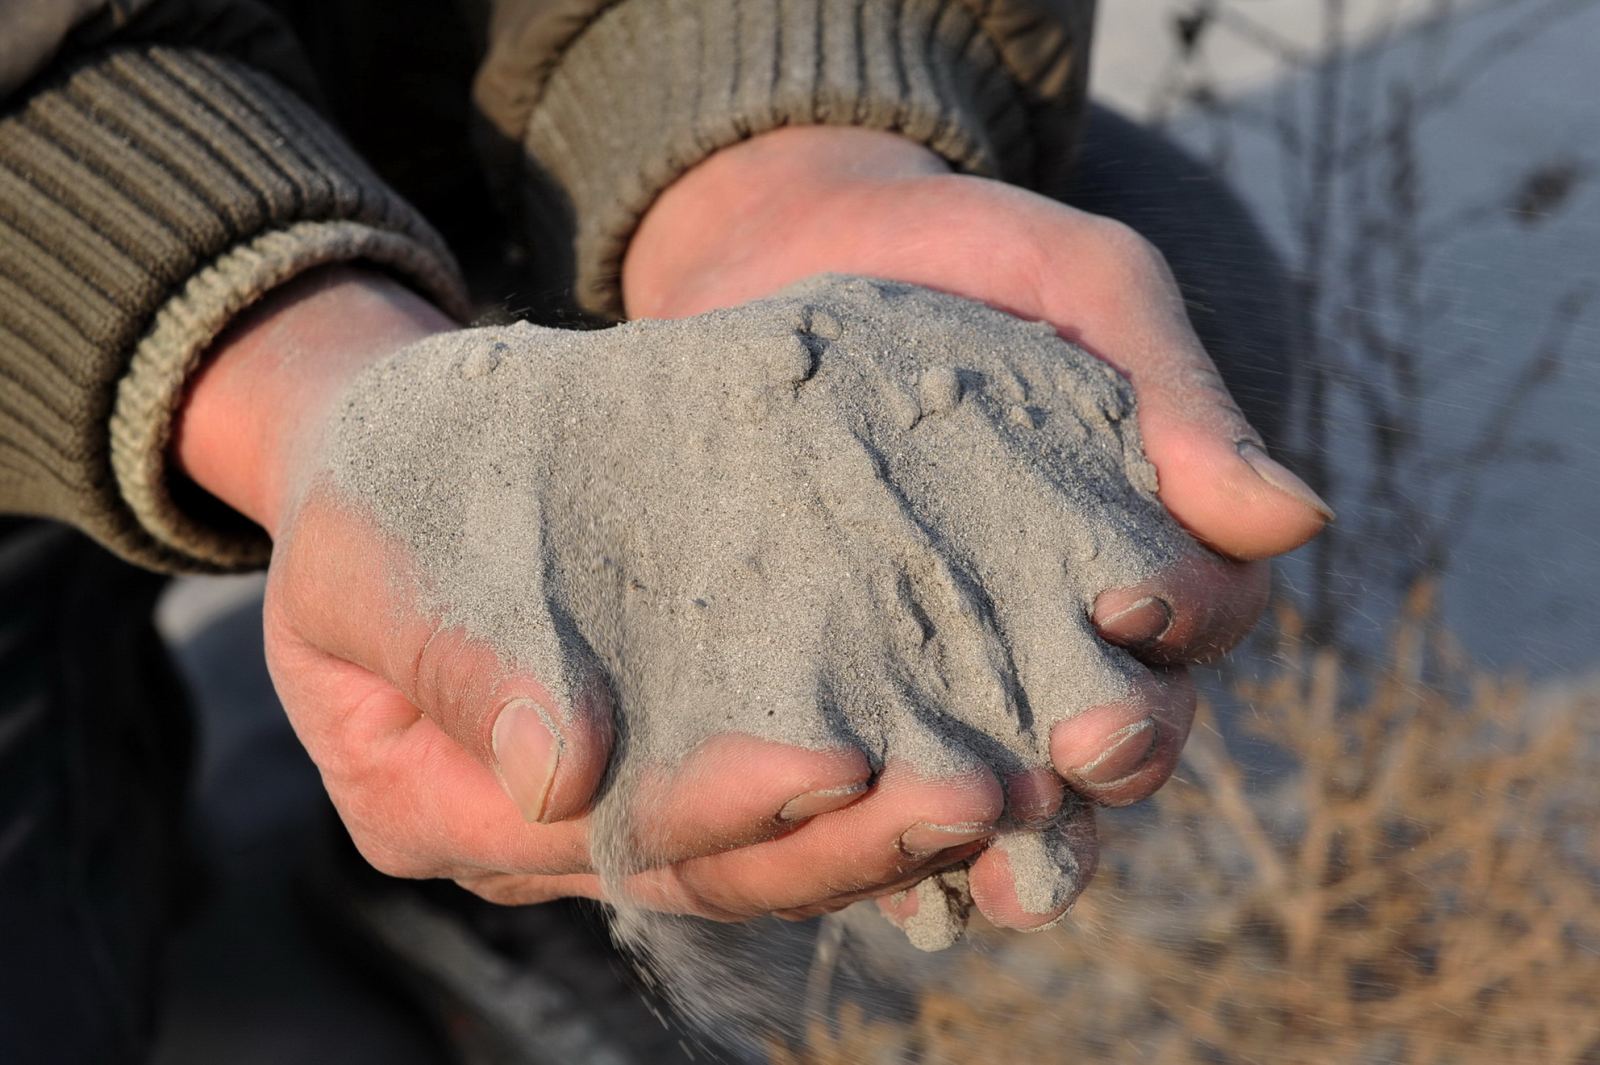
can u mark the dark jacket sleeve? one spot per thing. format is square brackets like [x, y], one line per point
[593, 107]
[160, 170]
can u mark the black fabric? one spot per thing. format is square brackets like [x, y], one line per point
[94, 752]
[395, 77]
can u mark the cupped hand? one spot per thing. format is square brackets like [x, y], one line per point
[796, 202]
[444, 762]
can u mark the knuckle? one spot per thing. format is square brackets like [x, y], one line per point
[510, 890]
[436, 671]
[394, 861]
[705, 898]
[980, 800]
[346, 756]
[681, 883]
[1127, 262]
[1119, 242]
[489, 890]
[344, 766]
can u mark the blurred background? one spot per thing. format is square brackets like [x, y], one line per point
[1383, 844]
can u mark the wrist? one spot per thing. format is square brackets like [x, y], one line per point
[253, 416]
[759, 211]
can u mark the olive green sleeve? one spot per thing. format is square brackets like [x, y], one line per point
[593, 107]
[147, 195]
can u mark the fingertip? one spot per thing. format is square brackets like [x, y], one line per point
[1140, 621]
[767, 781]
[972, 796]
[1034, 797]
[1193, 611]
[1231, 495]
[734, 790]
[528, 754]
[819, 801]
[1283, 479]
[1029, 880]
[1121, 753]
[582, 746]
[834, 778]
[899, 907]
[1094, 751]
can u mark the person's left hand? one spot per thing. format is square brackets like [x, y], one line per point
[789, 204]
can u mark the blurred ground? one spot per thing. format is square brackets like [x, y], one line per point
[251, 982]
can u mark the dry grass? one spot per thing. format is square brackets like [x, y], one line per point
[1419, 882]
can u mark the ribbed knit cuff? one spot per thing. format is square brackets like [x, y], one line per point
[171, 511]
[144, 199]
[652, 87]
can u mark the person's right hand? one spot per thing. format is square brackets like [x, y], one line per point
[792, 203]
[439, 762]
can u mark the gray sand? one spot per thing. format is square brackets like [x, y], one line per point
[858, 513]
[943, 904]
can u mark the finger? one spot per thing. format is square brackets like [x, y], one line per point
[665, 896]
[1029, 879]
[1034, 796]
[416, 804]
[548, 756]
[509, 889]
[900, 906]
[1193, 611]
[419, 805]
[946, 860]
[907, 821]
[1120, 753]
[546, 736]
[735, 790]
[1118, 299]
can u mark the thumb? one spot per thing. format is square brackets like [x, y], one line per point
[544, 729]
[546, 740]
[1215, 475]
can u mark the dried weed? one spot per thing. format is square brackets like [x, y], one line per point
[1416, 880]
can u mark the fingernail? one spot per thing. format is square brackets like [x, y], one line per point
[1140, 622]
[923, 839]
[1282, 478]
[527, 750]
[1127, 749]
[821, 801]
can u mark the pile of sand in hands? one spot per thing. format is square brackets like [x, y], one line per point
[859, 513]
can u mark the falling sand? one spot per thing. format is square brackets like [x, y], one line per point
[857, 514]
